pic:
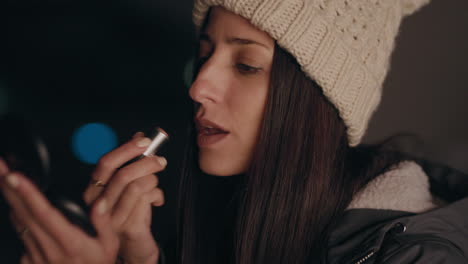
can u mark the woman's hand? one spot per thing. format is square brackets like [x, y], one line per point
[130, 193]
[48, 237]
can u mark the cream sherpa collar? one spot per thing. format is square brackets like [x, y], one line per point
[405, 188]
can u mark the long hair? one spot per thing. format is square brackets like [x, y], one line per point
[302, 177]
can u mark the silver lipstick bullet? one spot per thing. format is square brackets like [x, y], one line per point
[158, 140]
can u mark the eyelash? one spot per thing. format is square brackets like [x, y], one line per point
[241, 67]
[247, 69]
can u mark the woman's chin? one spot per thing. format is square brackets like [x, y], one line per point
[219, 169]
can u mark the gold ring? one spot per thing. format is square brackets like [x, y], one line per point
[98, 183]
[23, 232]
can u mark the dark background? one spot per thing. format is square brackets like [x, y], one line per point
[67, 63]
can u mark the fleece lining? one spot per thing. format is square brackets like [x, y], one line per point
[404, 188]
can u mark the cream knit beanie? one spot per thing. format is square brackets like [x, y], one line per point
[344, 45]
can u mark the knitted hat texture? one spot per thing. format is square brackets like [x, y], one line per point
[344, 45]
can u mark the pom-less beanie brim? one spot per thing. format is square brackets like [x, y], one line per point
[343, 45]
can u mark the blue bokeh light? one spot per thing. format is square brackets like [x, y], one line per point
[91, 141]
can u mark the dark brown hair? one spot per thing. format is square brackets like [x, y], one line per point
[302, 177]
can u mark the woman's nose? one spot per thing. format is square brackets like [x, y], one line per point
[208, 84]
[202, 92]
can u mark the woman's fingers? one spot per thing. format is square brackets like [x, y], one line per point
[10, 186]
[141, 214]
[100, 217]
[157, 197]
[137, 225]
[111, 161]
[27, 259]
[130, 173]
[34, 253]
[130, 196]
[33, 250]
[50, 237]
[45, 223]
[3, 167]
[138, 134]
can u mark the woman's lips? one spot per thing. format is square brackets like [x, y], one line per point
[209, 132]
[206, 124]
[206, 140]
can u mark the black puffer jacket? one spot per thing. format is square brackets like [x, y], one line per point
[416, 213]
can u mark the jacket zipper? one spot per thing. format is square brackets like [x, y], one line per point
[365, 258]
[440, 240]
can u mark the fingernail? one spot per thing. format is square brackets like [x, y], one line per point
[143, 142]
[102, 207]
[162, 161]
[12, 180]
[138, 134]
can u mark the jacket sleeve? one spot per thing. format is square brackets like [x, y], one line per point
[433, 252]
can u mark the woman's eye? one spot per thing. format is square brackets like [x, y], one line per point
[247, 69]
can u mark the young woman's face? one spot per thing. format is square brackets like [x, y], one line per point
[231, 88]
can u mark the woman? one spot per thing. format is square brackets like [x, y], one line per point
[283, 94]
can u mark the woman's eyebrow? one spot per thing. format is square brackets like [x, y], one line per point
[242, 41]
[235, 40]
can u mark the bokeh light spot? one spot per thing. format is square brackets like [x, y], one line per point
[91, 141]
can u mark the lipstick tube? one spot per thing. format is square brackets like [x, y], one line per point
[158, 140]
